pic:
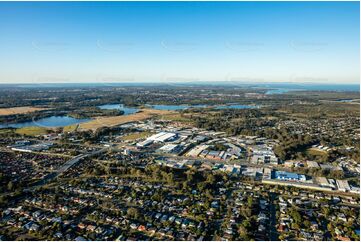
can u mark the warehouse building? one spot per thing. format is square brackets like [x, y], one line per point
[163, 137]
[289, 176]
[343, 185]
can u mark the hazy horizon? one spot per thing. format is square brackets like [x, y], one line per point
[299, 86]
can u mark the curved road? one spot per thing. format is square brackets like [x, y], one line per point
[64, 168]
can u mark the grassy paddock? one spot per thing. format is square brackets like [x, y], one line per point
[32, 131]
[5, 131]
[70, 128]
[135, 136]
[176, 117]
[313, 151]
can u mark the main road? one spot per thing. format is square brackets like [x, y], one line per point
[66, 166]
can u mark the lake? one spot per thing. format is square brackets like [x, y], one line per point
[345, 100]
[168, 107]
[49, 122]
[235, 106]
[276, 91]
[127, 110]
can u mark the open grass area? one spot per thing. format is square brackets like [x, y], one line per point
[18, 110]
[143, 114]
[317, 152]
[135, 136]
[6, 131]
[70, 128]
[32, 131]
[176, 117]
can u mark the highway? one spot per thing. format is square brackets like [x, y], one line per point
[67, 165]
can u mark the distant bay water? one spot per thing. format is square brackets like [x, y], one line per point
[126, 110]
[280, 88]
[272, 85]
[49, 122]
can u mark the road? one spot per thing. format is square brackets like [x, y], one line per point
[64, 168]
[273, 234]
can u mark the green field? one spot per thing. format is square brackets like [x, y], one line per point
[176, 117]
[32, 131]
[135, 136]
[5, 131]
[70, 128]
[315, 154]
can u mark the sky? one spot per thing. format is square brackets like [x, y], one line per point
[45, 42]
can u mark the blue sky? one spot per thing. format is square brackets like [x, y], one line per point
[179, 41]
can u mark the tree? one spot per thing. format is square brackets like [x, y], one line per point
[250, 202]
[295, 226]
[10, 186]
[210, 178]
[307, 223]
[296, 216]
[243, 232]
[170, 178]
[133, 213]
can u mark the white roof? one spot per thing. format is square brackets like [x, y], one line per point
[343, 185]
[168, 147]
[162, 136]
[145, 142]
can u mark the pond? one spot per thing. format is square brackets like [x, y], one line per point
[127, 110]
[49, 122]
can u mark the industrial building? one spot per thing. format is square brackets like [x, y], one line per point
[163, 137]
[312, 164]
[324, 182]
[289, 176]
[197, 150]
[303, 185]
[171, 148]
[343, 185]
[144, 143]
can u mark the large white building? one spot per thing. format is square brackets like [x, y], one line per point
[163, 137]
[289, 176]
[145, 143]
[160, 137]
[171, 148]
